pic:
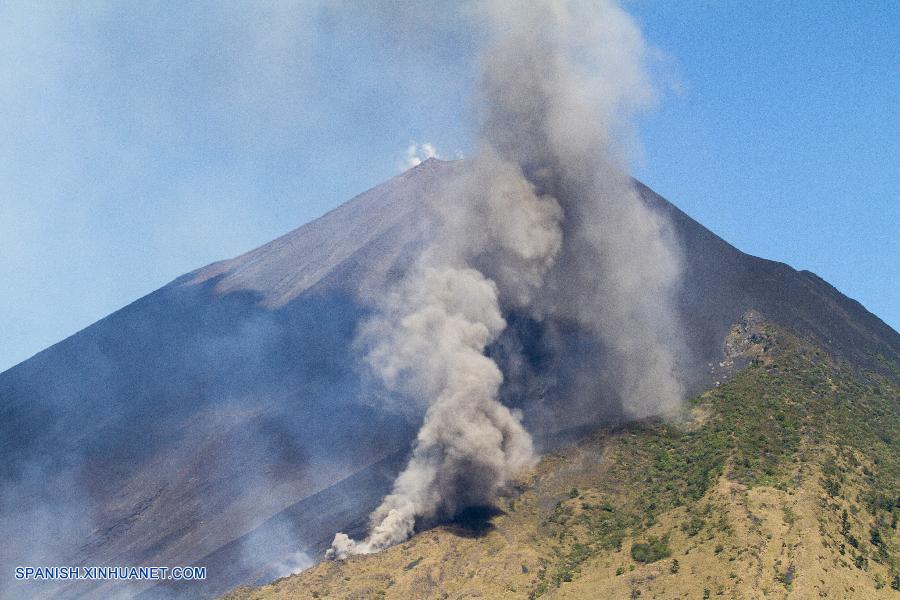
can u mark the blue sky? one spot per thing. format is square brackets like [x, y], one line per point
[141, 141]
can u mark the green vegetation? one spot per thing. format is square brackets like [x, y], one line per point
[652, 550]
[694, 526]
[789, 407]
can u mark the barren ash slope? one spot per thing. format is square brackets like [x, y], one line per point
[225, 420]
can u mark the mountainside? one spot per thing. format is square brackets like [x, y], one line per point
[224, 420]
[782, 483]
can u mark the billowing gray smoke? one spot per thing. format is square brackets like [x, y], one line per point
[428, 342]
[546, 222]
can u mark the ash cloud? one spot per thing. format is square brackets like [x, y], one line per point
[545, 222]
[557, 96]
[428, 343]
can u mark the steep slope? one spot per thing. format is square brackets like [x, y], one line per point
[784, 482]
[227, 411]
[721, 283]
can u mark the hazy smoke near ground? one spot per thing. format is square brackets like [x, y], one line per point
[546, 222]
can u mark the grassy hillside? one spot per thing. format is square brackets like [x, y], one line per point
[783, 482]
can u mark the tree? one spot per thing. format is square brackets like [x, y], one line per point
[653, 550]
[875, 536]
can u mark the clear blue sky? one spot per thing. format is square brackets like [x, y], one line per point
[140, 141]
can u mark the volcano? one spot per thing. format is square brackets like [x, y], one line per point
[225, 420]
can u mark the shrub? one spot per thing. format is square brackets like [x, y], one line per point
[652, 550]
[875, 537]
[787, 578]
[693, 527]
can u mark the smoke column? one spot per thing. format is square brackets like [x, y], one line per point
[559, 88]
[545, 221]
[429, 340]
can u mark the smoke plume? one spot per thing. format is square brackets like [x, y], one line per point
[428, 343]
[546, 222]
[558, 90]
